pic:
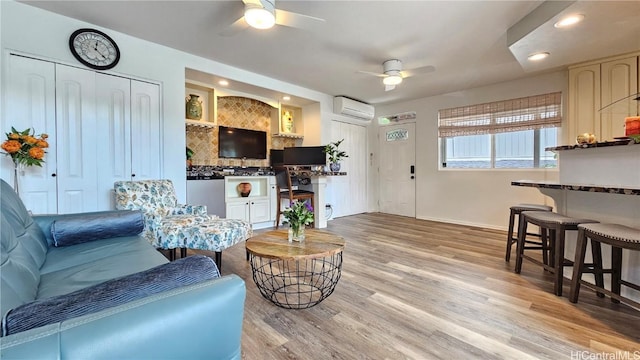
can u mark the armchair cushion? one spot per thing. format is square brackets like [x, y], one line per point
[83, 228]
[186, 271]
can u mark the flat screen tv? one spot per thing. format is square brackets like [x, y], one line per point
[305, 156]
[237, 143]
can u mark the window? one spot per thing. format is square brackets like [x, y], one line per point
[509, 134]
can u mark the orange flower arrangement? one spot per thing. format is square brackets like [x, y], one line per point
[25, 148]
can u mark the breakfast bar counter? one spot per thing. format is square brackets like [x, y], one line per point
[600, 182]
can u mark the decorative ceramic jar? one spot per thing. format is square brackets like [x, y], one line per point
[335, 167]
[244, 189]
[632, 125]
[586, 138]
[194, 107]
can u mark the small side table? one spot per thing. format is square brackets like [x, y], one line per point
[296, 275]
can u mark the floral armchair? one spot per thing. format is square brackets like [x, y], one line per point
[169, 225]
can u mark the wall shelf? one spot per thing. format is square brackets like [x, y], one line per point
[199, 124]
[288, 123]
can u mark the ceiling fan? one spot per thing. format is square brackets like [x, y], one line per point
[262, 14]
[393, 74]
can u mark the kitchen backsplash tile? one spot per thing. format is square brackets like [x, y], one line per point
[239, 112]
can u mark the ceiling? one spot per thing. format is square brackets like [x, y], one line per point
[470, 43]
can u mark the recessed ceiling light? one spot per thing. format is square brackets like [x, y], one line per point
[286, 98]
[538, 56]
[569, 20]
[223, 82]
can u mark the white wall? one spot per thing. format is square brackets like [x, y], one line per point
[31, 31]
[472, 197]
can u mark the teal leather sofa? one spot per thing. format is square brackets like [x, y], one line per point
[202, 320]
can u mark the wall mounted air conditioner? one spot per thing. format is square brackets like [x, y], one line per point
[353, 108]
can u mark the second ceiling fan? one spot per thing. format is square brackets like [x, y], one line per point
[393, 74]
[262, 14]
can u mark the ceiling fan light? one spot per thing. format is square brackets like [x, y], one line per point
[392, 80]
[259, 17]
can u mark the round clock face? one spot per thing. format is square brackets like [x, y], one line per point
[94, 49]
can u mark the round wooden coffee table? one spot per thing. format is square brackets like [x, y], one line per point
[296, 275]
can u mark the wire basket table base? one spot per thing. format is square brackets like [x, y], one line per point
[299, 283]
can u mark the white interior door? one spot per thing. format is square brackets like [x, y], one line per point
[397, 169]
[30, 103]
[76, 138]
[113, 111]
[349, 193]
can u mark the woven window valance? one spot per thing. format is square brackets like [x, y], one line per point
[527, 113]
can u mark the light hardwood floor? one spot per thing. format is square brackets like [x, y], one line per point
[414, 289]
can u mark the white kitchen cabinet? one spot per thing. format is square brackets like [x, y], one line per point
[258, 208]
[593, 86]
[89, 117]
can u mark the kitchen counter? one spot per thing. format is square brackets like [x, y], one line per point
[621, 142]
[578, 187]
[599, 182]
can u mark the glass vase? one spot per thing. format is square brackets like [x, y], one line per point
[296, 233]
[16, 172]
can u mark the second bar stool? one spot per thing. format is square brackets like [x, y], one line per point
[555, 226]
[514, 212]
[619, 237]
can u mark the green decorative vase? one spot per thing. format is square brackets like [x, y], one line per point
[194, 107]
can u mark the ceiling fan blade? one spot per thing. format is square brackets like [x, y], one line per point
[418, 71]
[291, 19]
[372, 73]
[238, 26]
[389, 87]
[254, 2]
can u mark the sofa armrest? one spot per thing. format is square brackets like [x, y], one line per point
[182, 209]
[203, 320]
[45, 221]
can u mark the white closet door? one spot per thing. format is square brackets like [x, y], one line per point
[77, 140]
[113, 112]
[30, 103]
[145, 131]
[349, 193]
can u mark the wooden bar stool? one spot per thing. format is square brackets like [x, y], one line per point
[514, 212]
[618, 237]
[285, 191]
[554, 226]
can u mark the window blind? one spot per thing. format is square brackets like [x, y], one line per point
[526, 113]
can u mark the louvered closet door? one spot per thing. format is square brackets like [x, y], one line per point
[113, 109]
[30, 103]
[77, 140]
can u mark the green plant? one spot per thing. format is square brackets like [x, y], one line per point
[335, 154]
[189, 153]
[635, 138]
[299, 214]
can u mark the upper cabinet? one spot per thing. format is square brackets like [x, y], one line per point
[200, 105]
[594, 86]
[288, 122]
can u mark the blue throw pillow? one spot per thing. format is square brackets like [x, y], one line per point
[81, 228]
[182, 272]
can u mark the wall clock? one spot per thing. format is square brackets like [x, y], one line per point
[94, 48]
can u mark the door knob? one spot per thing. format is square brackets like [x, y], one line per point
[53, 175]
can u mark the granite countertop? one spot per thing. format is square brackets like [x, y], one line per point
[205, 172]
[622, 190]
[619, 142]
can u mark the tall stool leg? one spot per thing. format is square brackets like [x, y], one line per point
[596, 254]
[522, 231]
[616, 270]
[559, 261]
[507, 256]
[578, 266]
